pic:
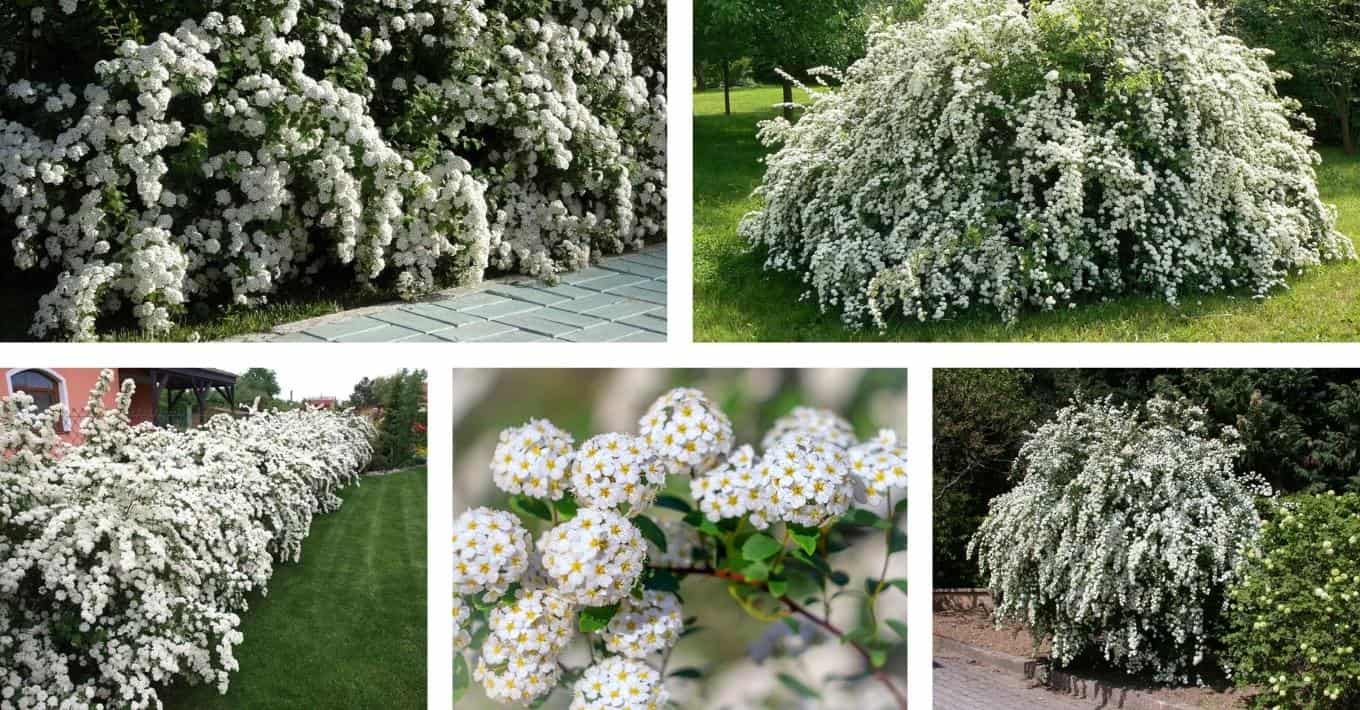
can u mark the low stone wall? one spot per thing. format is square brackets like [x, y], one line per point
[963, 598]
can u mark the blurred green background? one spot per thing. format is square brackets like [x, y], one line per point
[588, 402]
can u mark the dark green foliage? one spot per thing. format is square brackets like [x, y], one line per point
[402, 430]
[1300, 430]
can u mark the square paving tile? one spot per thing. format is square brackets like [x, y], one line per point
[384, 333]
[503, 308]
[602, 333]
[535, 324]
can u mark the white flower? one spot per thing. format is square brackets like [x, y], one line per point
[533, 459]
[618, 682]
[519, 659]
[461, 614]
[819, 424]
[594, 559]
[645, 626]
[879, 466]
[730, 490]
[688, 431]
[802, 480]
[490, 552]
[614, 470]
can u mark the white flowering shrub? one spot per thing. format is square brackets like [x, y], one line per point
[1017, 155]
[616, 539]
[1120, 538]
[215, 152]
[124, 562]
[1293, 628]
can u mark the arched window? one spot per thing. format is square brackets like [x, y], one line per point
[44, 388]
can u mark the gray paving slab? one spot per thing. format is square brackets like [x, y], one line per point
[535, 324]
[384, 333]
[602, 333]
[963, 685]
[622, 309]
[531, 295]
[640, 294]
[621, 299]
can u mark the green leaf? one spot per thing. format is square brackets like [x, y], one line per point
[870, 585]
[860, 517]
[897, 540]
[859, 634]
[531, 506]
[899, 583]
[840, 578]
[759, 547]
[901, 507]
[756, 571]
[662, 581]
[595, 618]
[461, 678]
[566, 507]
[877, 658]
[674, 502]
[898, 627]
[778, 587]
[651, 531]
[687, 673]
[806, 541]
[792, 623]
[705, 526]
[797, 686]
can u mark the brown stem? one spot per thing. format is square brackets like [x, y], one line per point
[796, 608]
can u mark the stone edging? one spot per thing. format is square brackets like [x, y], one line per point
[1083, 688]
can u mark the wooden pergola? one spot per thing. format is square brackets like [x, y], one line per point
[201, 381]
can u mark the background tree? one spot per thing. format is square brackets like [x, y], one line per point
[1300, 430]
[257, 382]
[365, 394]
[790, 37]
[402, 429]
[1316, 41]
[721, 37]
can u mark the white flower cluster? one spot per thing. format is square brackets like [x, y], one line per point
[490, 552]
[804, 481]
[617, 470]
[519, 658]
[461, 616]
[1121, 535]
[593, 559]
[688, 430]
[596, 556]
[395, 142]
[645, 626]
[879, 466]
[820, 424]
[533, 459]
[125, 561]
[987, 155]
[622, 684]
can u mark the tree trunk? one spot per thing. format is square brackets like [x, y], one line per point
[727, 87]
[700, 80]
[788, 100]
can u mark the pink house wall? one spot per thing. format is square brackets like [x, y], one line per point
[76, 384]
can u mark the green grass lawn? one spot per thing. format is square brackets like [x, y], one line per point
[735, 299]
[344, 628]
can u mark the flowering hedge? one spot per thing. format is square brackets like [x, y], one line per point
[124, 562]
[606, 568]
[1122, 535]
[1014, 155]
[1294, 630]
[211, 156]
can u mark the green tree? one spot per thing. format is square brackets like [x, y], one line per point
[722, 35]
[257, 382]
[402, 429]
[1316, 41]
[793, 36]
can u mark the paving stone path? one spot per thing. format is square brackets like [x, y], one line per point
[623, 299]
[964, 685]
